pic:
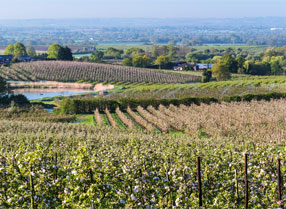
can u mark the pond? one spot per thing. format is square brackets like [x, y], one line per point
[32, 94]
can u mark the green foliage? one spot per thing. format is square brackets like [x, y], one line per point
[33, 114]
[31, 51]
[127, 62]
[57, 52]
[162, 61]
[221, 71]
[9, 50]
[132, 52]
[79, 106]
[3, 85]
[207, 76]
[54, 51]
[87, 106]
[113, 53]
[257, 68]
[19, 99]
[231, 63]
[17, 50]
[141, 61]
[82, 166]
[97, 56]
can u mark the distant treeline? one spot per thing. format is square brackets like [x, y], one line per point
[87, 106]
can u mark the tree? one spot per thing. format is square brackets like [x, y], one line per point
[276, 68]
[56, 51]
[207, 76]
[9, 50]
[113, 53]
[66, 54]
[141, 61]
[131, 52]
[3, 86]
[162, 61]
[127, 61]
[19, 50]
[230, 62]
[31, 51]
[97, 56]
[257, 68]
[221, 71]
[155, 51]
[240, 61]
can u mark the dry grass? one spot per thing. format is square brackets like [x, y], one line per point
[51, 84]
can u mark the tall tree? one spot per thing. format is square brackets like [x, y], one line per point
[56, 51]
[31, 51]
[132, 52]
[113, 53]
[221, 71]
[162, 61]
[19, 50]
[9, 50]
[141, 61]
[3, 86]
[127, 61]
[230, 62]
[97, 56]
[66, 54]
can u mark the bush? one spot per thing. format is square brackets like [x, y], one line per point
[19, 100]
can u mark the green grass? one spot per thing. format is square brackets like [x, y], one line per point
[118, 121]
[85, 119]
[105, 120]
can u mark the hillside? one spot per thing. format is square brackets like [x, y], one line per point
[74, 71]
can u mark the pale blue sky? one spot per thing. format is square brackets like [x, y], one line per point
[27, 9]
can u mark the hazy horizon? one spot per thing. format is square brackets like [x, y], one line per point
[69, 9]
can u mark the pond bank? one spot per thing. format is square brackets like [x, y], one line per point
[49, 84]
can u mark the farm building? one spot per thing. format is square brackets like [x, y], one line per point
[194, 66]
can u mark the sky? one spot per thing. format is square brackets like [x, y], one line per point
[34, 9]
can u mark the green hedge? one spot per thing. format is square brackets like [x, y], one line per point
[20, 100]
[77, 106]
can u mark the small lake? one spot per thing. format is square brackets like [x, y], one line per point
[32, 94]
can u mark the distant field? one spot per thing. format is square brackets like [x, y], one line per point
[124, 46]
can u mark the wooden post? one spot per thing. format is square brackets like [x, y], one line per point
[246, 181]
[32, 190]
[199, 181]
[91, 175]
[279, 182]
[56, 162]
[236, 188]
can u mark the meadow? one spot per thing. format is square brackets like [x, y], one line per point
[99, 165]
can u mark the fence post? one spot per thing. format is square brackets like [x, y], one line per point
[199, 181]
[246, 181]
[56, 162]
[236, 188]
[279, 182]
[32, 190]
[91, 175]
